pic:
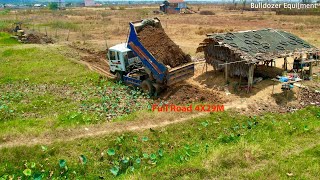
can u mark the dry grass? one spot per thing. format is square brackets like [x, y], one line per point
[187, 30]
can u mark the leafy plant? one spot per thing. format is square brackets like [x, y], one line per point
[111, 152]
[145, 139]
[53, 6]
[27, 172]
[114, 170]
[83, 159]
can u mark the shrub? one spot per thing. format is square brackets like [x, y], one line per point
[53, 6]
[113, 8]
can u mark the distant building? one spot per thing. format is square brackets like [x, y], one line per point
[37, 5]
[89, 3]
[173, 6]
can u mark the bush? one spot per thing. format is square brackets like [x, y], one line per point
[122, 8]
[113, 8]
[207, 13]
[53, 6]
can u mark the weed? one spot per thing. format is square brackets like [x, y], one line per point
[63, 25]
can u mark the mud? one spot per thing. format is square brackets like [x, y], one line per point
[96, 60]
[38, 38]
[186, 94]
[308, 97]
[157, 42]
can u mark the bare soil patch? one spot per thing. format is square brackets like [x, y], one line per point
[185, 94]
[94, 60]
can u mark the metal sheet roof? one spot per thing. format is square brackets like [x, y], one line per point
[260, 43]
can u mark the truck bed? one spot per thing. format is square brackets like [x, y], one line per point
[159, 71]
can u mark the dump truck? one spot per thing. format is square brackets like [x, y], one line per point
[135, 65]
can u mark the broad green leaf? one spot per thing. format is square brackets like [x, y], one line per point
[44, 148]
[27, 172]
[62, 163]
[181, 158]
[83, 159]
[33, 165]
[153, 156]
[37, 176]
[114, 170]
[111, 152]
[138, 160]
[125, 160]
[145, 139]
[145, 155]
[160, 152]
[205, 124]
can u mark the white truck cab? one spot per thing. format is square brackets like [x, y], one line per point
[121, 58]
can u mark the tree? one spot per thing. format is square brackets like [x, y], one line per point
[53, 6]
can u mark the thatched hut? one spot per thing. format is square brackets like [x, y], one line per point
[238, 53]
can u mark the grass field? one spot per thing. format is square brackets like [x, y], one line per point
[41, 90]
[58, 119]
[218, 145]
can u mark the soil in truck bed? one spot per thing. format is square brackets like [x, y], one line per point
[157, 42]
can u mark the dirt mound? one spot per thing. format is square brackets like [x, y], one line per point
[162, 47]
[308, 97]
[37, 38]
[186, 94]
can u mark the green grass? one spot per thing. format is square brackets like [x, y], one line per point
[39, 84]
[40, 66]
[6, 40]
[4, 12]
[63, 25]
[219, 145]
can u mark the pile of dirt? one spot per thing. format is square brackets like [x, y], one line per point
[157, 42]
[308, 97]
[37, 38]
[186, 94]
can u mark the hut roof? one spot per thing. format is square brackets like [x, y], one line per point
[259, 45]
[175, 1]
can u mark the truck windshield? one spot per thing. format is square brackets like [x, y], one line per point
[131, 55]
[112, 55]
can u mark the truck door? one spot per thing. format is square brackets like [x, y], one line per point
[132, 59]
[115, 61]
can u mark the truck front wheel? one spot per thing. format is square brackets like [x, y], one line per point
[119, 76]
[147, 87]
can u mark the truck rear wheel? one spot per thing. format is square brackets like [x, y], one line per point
[147, 87]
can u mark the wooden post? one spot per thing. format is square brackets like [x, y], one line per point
[226, 71]
[68, 35]
[310, 71]
[250, 77]
[285, 64]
